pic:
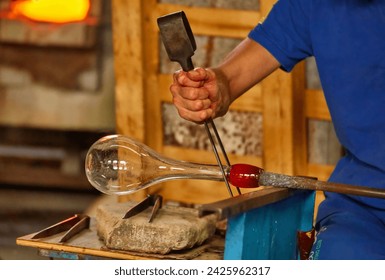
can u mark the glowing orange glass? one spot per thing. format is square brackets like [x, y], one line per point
[54, 11]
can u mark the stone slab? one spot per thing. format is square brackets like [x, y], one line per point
[173, 228]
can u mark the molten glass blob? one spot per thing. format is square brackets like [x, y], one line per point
[119, 165]
[244, 175]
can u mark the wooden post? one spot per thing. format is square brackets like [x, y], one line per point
[129, 74]
[128, 63]
[284, 124]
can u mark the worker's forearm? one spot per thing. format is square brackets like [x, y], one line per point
[247, 65]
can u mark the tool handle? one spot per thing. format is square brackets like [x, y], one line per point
[186, 64]
[296, 182]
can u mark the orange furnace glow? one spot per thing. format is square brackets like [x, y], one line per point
[52, 11]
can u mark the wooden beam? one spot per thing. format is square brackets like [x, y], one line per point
[322, 172]
[152, 88]
[315, 104]
[127, 42]
[278, 123]
[277, 117]
[299, 129]
[129, 73]
[192, 155]
[209, 21]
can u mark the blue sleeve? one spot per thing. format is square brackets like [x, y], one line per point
[285, 33]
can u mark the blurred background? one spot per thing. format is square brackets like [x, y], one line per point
[56, 99]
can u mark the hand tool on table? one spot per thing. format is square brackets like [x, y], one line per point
[153, 200]
[72, 225]
[179, 42]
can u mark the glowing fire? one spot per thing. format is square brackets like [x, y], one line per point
[52, 11]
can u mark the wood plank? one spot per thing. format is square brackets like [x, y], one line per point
[127, 42]
[300, 136]
[45, 177]
[278, 123]
[129, 73]
[215, 22]
[251, 101]
[322, 172]
[152, 88]
[315, 104]
[277, 117]
[180, 153]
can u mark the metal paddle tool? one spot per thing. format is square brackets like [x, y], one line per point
[179, 42]
[71, 226]
[152, 200]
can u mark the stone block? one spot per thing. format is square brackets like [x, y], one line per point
[173, 228]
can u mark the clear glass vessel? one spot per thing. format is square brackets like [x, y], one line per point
[119, 165]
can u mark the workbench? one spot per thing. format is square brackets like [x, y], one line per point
[260, 225]
[87, 245]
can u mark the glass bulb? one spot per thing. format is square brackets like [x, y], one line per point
[116, 164]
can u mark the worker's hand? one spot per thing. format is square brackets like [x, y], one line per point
[200, 94]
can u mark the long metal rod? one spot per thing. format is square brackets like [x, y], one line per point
[294, 182]
[218, 138]
[219, 141]
[218, 158]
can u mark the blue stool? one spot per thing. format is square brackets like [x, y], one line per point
[265, 224]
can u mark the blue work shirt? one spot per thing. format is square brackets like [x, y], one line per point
[347, 39]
